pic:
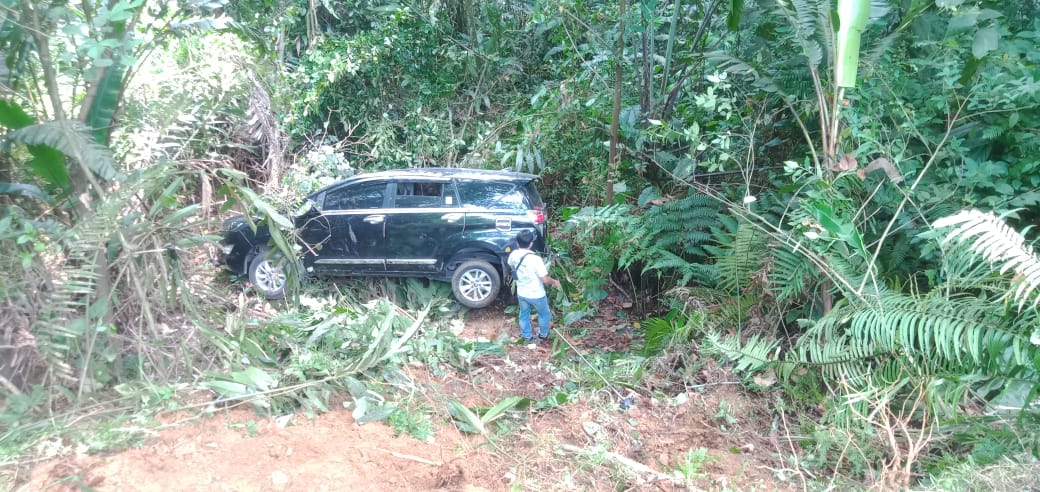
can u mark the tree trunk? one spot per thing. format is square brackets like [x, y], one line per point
[619, 63]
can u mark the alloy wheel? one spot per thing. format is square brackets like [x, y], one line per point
[475, 285]
[270, 277]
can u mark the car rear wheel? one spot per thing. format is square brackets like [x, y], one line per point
[268, 273]
[475, 283]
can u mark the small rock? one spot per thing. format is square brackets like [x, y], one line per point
[184, 449]
[279, 480]
[595, 431]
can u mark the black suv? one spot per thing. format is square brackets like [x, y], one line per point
[452, 225]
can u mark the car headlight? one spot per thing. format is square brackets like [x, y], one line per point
[227, 248]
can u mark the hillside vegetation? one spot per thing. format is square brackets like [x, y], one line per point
[830, 202]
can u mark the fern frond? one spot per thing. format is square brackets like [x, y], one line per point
[791, 273]
[735, 66]
[740, 257]
[934, 332]
[998, 244]
[673, 236]
[754, 354]
[802, 16]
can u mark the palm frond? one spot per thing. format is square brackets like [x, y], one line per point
[73, 139]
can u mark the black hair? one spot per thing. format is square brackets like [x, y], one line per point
[525, 239]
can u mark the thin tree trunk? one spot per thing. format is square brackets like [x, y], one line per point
[646, 92]
[619, 62]
[671, 43]
[80, 175]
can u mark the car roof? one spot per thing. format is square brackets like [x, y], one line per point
[436, 172]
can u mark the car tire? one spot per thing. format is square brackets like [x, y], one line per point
[268, 271]
[476, 284]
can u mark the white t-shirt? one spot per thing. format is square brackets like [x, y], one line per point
[529, 275]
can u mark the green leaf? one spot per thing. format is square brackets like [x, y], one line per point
[554, 400]
[649, 193]
[73, 139]
[986, 40]
[356, 388]
[963, 21]
[466, 420]
[254, 377]
[49, 165]
[497, 411]
[228, 389]
[26, 190]
[103, 107]
[736, 9]
[47, 162]
[266, 209]
[360, 408]
[378, 413]
[13, 116]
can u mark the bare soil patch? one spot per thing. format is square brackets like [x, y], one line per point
[238, 450]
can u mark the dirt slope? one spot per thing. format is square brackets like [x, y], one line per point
[237, 450]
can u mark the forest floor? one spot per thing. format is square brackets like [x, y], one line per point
[713, 436]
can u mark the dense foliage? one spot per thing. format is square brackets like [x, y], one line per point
[867, 245]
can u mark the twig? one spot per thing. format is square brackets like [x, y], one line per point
[9, 385]
[410, 457]
[643, 473]
[610, 385]
[794, 452]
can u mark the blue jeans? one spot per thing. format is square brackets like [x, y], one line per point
[544, 316]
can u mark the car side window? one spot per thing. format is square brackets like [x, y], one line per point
[488, 194]
[365, 196]
[423, 194]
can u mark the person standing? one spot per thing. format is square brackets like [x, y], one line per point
[531, 278]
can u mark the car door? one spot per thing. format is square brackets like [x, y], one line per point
[356, 214]
[426, 216]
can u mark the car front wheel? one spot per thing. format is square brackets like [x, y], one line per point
[268, 273]
[475, 283]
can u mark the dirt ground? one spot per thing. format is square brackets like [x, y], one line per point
[581, 445]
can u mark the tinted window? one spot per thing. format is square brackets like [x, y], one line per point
[495, 195]
[532, 195]
[363, 196]
[423, 194]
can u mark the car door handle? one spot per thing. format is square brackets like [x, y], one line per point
[451, 217]
[374, 219]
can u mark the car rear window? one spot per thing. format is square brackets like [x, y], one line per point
[492, 195]
[533, 197]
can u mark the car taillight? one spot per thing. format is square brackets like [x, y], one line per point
[537, 215]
